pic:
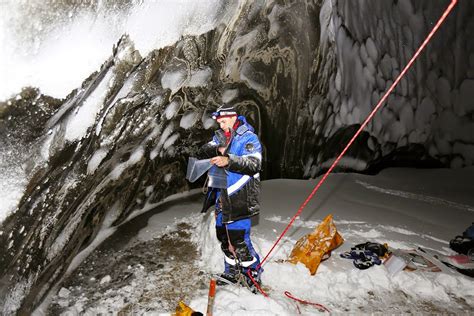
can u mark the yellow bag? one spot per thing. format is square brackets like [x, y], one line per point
[184, 310]
[311, 248]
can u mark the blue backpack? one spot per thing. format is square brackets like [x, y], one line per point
[469, 232]
[463, 244]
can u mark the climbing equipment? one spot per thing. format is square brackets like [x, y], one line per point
[361, 128]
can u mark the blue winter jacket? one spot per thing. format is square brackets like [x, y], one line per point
[241, 198]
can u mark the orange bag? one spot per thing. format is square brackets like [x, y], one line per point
[311, 248]
[183, 310]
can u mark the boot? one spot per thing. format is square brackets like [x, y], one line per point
[256, 277]
[231, 275]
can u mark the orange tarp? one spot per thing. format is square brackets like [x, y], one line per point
[311, 248]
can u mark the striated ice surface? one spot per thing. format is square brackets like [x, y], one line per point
[96, 159]
[135, 157]
[80, 120]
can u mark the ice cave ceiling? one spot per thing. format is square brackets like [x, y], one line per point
[305, 73]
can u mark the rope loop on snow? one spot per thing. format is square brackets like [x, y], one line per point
[320, 307]
[362, 126]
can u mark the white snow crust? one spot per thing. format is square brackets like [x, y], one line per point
[405, 208]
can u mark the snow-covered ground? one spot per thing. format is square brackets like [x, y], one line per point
[405, 208]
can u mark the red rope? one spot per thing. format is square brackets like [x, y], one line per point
[364, 124]
[321, 308]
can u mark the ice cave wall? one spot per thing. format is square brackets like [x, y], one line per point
[304, 72]
[429, 117]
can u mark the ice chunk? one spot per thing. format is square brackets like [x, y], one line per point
[135, 157]
[46, 146]
[457, 162]
[386, 67]
[166, 133]
[337, 82]
[371, 67]
[408, 35]
[443, 89]
[124, 91]
[189, 119]
[64, 293]
[457, 104]
[432, 80]
[96, 159]
[229, 94]
[174, 80]
[403, 87]
[466, 95]
[433, 151]
[424, 113]
[369, 78]
[207, 121]
[170, 141]
[171, 109]
[372, 49]
[356, 116]
[252, 77]
[200, 77]
[82, 118]
[443, 145]
[380, 81]
[363, 53]
[327, 24]
[149, 190]
[105, 279]
[465, 150]
[396, 130]
[407, 116]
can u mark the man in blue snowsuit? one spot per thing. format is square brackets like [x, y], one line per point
[236, 148]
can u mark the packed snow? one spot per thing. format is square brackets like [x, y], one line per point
[406, 208]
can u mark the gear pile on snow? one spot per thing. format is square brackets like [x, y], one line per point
[366, 255]
[464, 243]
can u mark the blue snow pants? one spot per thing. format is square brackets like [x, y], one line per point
[238, 233]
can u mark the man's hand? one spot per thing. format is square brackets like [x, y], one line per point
[220, 161]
